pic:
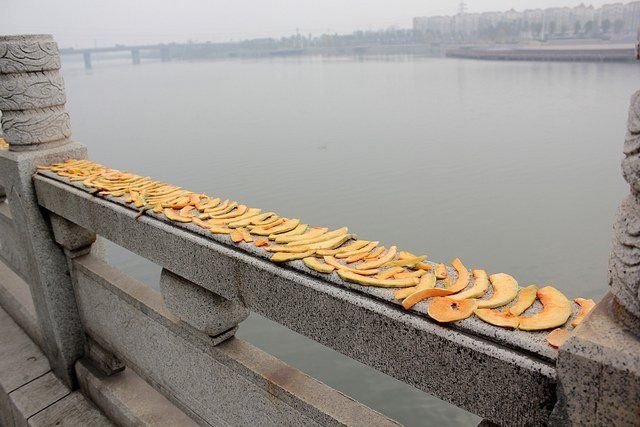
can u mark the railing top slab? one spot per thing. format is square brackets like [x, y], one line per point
[531, 343]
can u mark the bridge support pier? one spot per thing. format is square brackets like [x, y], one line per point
[37, 129]
[135, 56]
[87, 60]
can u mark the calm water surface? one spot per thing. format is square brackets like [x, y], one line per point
[511, 166]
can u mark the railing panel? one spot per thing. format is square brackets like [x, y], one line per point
[230, 383]
[11, 247]
[460, 366]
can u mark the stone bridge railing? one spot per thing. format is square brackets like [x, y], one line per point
[181, 343]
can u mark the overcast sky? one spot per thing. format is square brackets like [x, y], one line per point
[80, 23]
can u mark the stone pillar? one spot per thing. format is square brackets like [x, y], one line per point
[36, 127]
[599, 366]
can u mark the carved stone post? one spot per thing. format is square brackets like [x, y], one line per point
[599, 366]
[36, 127]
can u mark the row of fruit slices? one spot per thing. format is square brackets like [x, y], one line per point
[321, 250]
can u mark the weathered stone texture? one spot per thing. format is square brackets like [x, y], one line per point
[27, 127]
[200, 308]
[28, 53]
[31, 90]
[624, 263]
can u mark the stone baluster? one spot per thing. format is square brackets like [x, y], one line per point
[599, 366]
[200, 308]
[36, 126]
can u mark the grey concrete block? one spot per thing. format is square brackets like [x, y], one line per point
[69, 235]
[35, 396]
[127, 399]
[26, 91]
[599, 371]
[105, 361]
[200, 308]
[73, 410]
[231, 383]
[28, 53]
[46, 265]
[15, 298]
[12, 250]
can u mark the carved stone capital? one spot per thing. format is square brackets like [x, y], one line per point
[25, 91]
[28, 127]
[28, 53]
[624, 264]
[32, 95]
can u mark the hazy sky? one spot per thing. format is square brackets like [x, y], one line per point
[85, 22]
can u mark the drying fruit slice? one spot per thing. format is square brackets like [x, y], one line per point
[356, 258]
[350, 276]
[390, 272]
[365, 250]
[355, 246]
[526, 297]
[426, 282]
[284, 256]
[246, 236]
[480, 286]
[375, 253]
[283, 228]
[337, 264]
[444, 309]
[405, 274]
[221, 207]
[330, 235]
[407, 262]
[250, 213]
[269, 226]
[388, 256]
[247, 220]
[175, 216]
[236, 236]
[186, 212]
[440, 271]
[406, 255]
[557, 337]
[268, 221]
[498, 318]
[556, 309]
[298, 230]
[214, 229]
[586, 305]
[327, 244]
[234, 213]
[418, 296]
[208, 204]
[505, 289]
[261, 242]
[317, 265]
[463, 276]
[314, 232]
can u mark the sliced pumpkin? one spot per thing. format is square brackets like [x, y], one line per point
[282, 228]
[236, 236]
[390, 272]
[407, 262]
[366, 250]
[586, 305]
[440, 271]
[357, 245]
[298, 230]
[261, 242]
[405, 274]
[285, 256]
[426, 282]
[383, 259]
[445, 309]
[340, 266]
[556, 310]
[526, 297]
[557, 337]
[314, 232]
[463, 276]
[246, 236]
[375, 253]
[350, 276]
[356, 257]
[480, 286]
[175, 216]
[326, 236]
[505, 289]
[317, 265]
[423, 294]
[246, 221]
[498, 318]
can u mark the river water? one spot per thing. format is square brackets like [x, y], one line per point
[511, 166]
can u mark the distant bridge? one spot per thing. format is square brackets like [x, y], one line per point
[165, 50]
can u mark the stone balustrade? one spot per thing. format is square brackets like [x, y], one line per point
[96, 325]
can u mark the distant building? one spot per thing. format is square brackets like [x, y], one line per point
[619, 19]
